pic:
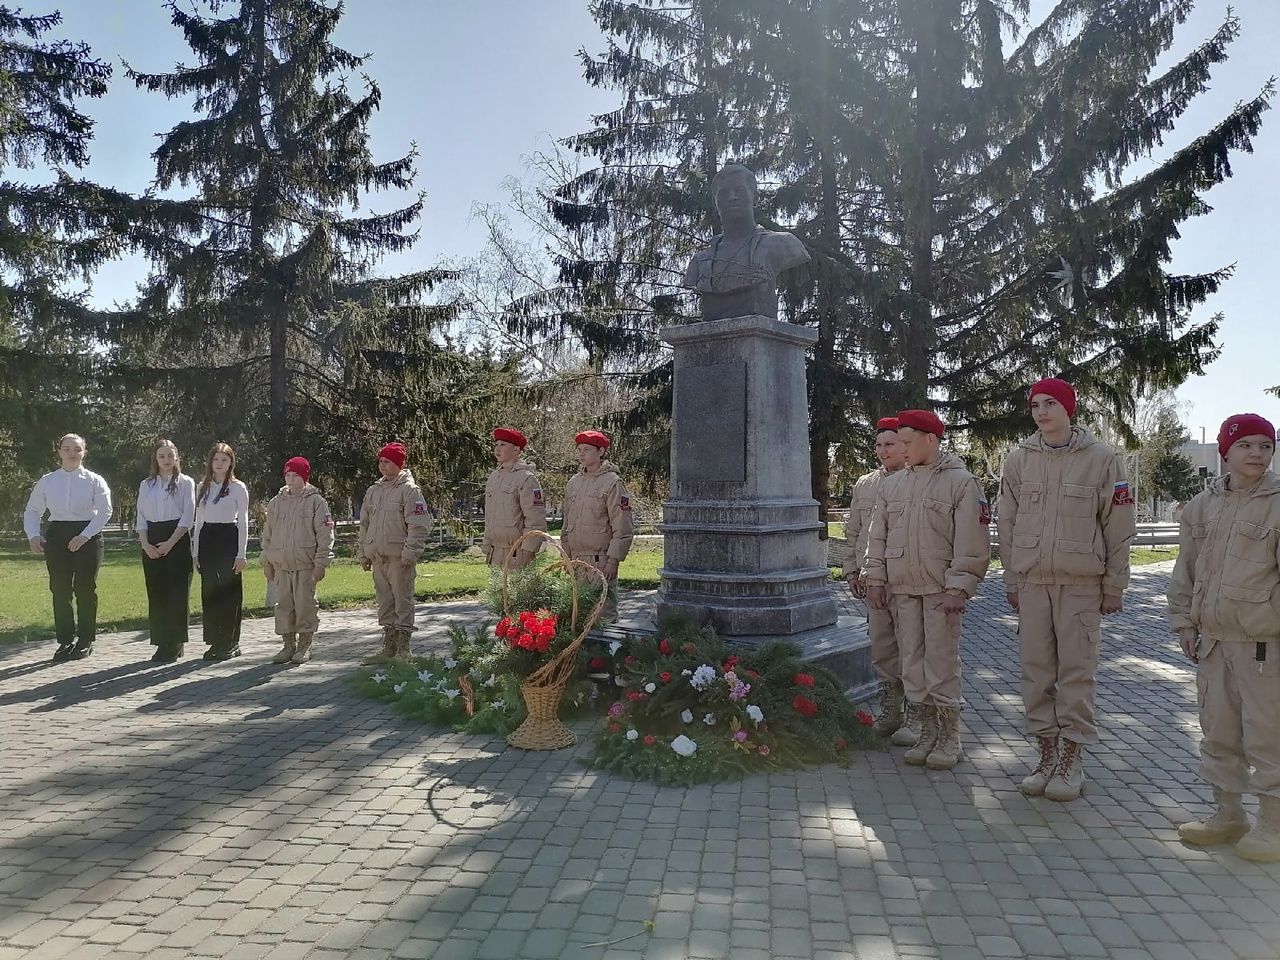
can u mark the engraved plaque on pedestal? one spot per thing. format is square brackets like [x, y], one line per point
[712, 405]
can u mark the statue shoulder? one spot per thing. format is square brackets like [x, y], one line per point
[784, 250]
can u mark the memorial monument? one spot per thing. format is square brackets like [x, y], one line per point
[743, 544]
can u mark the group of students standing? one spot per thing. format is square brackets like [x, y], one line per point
[185, 527]
[918, 535]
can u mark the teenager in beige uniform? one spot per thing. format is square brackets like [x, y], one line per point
[513, 502]
[927, 551]
[1066, 522]
[297, 548]
[884, 644]
[394, 526]
[597, 513]
[1224, 604]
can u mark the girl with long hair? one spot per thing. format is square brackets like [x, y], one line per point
[219, 540]
[166, 514]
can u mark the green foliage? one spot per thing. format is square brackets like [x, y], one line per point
[263, 319]
[745, 710]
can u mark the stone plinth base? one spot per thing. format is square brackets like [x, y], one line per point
[742, 535]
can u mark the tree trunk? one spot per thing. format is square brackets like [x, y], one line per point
[920, 187]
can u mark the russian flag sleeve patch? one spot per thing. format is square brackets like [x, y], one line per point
[1123, 495]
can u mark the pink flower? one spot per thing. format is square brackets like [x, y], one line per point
[616, 710]
[740, 735]
[764, 750]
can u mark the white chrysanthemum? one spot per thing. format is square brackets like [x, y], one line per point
[709, 719]
[650, 688]
[755, 713]
[633, 734]
[686, 716]
[703, 677]
[684, 746]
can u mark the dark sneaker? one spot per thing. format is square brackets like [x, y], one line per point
[81, 650]
[210, 654]
[226, 654]
[63, 652]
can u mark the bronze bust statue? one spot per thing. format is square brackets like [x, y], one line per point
[737, 275]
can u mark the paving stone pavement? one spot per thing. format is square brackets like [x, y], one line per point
[243, 810]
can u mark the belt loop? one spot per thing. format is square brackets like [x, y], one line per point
[1260, 651]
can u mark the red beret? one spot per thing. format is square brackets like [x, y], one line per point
[395, 452]
[511, 436]
[887, 423]
[1240, 426]
[299, 466]
[593, 437]
[926, 421]
[1060, 390]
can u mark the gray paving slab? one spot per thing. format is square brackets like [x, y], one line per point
[247, 810]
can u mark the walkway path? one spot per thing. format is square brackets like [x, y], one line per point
[241, 810]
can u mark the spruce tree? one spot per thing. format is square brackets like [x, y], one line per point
[268, 323]
[52, 236]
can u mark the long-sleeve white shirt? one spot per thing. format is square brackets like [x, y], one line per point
[233, 508]
[78, 494]
[157, 503]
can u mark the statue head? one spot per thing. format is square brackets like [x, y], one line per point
[734, 191]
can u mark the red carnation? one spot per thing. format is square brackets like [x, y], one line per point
[650, 739]
[525, 640]
[665, 676]
[804, 706]
[803, 680]
[598, 663]
[752, 674]
[614, 728]
[865, 718]
[731, 662]
[634, 695]
[664, 647]
[503, 628]
[629, 660]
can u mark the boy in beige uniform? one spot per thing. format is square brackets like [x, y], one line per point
[394, 526]
[1066, 522]
[297, 548]
[926, 554]
[597, 514]
[513, 502]
[1224, 604]
[885, 658]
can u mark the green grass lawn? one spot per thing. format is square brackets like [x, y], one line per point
[25, 610]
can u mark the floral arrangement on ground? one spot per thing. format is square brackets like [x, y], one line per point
[476, 687]
[691, 710]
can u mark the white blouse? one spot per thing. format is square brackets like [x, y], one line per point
[233, 508]
[78, 494]
[157, 503]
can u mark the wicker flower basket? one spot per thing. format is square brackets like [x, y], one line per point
[542, 689]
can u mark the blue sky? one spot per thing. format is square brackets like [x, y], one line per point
[480, 84]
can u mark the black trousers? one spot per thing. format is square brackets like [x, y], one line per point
[168, 587]
[73, 575]
[221, 589]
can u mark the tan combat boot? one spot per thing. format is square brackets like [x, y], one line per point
[1262, 843]
[908, 734]
[1034, 784]
[1067, 782]
[1228, 823]
[286, 654]
[946, 752]
[919, 754]
[388, 651]
[890, 719]
[303, 653]
[402, 650]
